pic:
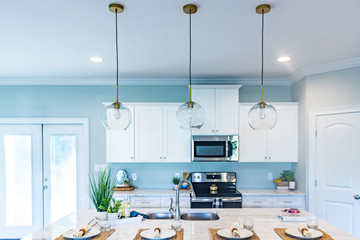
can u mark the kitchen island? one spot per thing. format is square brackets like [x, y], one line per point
[265, 221]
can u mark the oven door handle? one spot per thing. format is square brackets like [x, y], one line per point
[235, 199]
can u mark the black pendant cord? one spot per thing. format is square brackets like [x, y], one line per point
[262, 55]
[190, 51]
[117, 57]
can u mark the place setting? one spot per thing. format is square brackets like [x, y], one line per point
[159, 233]
[311, 231]
[233, 232]
[89, 231]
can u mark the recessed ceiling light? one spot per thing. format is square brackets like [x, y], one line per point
[283, 59]
[96, 59]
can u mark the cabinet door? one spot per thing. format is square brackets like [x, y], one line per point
[282, 144]
[226, 111]
[252, 144]
[120, 143]
[176, 140]
[206, 98]
[148, 134]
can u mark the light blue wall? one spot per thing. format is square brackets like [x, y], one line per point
[85, 101]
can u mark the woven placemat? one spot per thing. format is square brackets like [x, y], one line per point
[215, 236]
[179, 235]
[281, 232]
[101, 236]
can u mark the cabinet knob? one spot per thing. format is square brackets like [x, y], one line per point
[212, 131]
[164, 157]
[357, 196]
[265, 158]
[45, 187]
[131, 157]
[269, 158]
[160, 157]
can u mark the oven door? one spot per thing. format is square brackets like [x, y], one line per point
[235, 202]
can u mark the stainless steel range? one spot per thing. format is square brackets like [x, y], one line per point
[211, 185]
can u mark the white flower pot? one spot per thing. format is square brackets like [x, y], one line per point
[102, 215]
[113, 216]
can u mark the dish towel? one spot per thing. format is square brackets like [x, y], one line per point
[217, 203]
[135, 214]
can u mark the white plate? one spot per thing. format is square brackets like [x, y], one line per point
[294, 232]
[70, 234]
[164, 234]
[227, 234]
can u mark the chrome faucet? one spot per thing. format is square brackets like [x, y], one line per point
[175, 212]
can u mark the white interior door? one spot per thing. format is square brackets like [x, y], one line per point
[337, 170]
[20, 180]
[63, 157]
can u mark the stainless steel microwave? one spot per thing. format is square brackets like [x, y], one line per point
[215, 148]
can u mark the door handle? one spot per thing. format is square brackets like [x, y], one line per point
[45, 187]
[357, 196]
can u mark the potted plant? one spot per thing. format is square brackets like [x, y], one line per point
[175, 181]
[127, 182]
[285, 177]
[100, 191]
[113, 209]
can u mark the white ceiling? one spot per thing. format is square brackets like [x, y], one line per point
[42, 39]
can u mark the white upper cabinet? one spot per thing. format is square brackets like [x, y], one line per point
[176, 141]
[221, 110]
[153, 136]
[120, 143]
[279, 144]
[148, 134]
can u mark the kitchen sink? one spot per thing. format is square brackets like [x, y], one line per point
[200, 216]
[160, 215]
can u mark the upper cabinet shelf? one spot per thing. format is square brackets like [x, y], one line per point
[221, 109]
[279, 144]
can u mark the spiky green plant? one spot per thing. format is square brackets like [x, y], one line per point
[114, 206]
[100, 190]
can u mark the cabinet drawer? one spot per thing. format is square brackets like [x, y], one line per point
[145, 202]
[257, 202]
[288, 202]
[184, 202]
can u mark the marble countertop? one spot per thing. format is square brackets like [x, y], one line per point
[265, 221]
[141, 192]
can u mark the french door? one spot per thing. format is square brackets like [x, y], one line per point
[39, 164]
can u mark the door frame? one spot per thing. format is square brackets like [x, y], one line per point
[83, 175]
[311, 173]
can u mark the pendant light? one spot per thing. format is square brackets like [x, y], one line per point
[190, 114]
[262, 115]
[116, 115]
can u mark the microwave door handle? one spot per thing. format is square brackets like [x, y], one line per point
[229, 149]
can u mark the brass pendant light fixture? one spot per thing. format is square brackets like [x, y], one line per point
[262, 115]
[116, 115]
[190, 114]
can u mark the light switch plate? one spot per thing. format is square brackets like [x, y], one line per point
[270, 176]
[177, 175]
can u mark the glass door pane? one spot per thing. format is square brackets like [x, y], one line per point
[20, 180]
[61, 170]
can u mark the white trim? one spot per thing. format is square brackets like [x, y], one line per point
[273, 103]
[324, 68]
[80, 121]
[216, 86]
[313, 114]
[141, 81]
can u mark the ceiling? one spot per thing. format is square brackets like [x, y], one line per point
[43, 39]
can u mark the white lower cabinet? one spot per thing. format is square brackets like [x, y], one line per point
[153, 201]
[145, 202]
[274, 202]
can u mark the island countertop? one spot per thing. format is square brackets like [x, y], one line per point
[265, 221]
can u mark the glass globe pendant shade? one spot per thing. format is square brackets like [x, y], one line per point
[190, 115]
[262, 116]
[116, 116]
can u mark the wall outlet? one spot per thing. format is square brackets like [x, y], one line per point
[177, 175]
[100, 167]
[270, 176]
[134, 176]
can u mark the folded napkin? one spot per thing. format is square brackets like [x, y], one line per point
[304, 231]
[157, 231]
[217, 203]
[234, 231]
[135, 214]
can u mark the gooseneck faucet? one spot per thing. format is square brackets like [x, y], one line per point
[175, 212]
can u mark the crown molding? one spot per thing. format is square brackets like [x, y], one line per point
[142, 81]
[324, 68]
